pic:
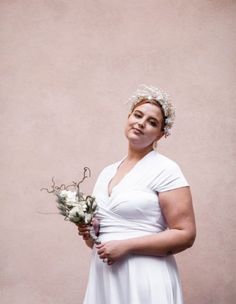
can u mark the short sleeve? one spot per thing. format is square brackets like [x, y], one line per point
[171, 177]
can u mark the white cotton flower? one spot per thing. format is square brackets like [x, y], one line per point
[88, 217]
[63, 194]
[78, 210]
[82, 206]
[71, 199]
[66, 196]
[71, 196]
[71, 204]
[75, 214]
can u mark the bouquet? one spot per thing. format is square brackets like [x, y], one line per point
[74, 205]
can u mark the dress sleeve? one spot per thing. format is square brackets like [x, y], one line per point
[171, 177]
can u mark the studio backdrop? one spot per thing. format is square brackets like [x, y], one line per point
[67, 70]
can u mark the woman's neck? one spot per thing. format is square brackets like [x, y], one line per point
[137, 154]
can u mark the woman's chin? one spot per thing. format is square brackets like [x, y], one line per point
[139, 144]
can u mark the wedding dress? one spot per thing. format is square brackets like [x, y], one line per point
[133, 210]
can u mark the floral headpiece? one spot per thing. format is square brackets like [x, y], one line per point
[150, 93]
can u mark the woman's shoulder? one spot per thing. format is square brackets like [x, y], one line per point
[163, 161]
[168, 174]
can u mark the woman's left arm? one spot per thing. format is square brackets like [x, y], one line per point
[176, 206]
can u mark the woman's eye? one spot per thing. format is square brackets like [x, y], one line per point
[153, 123]
[137, 115]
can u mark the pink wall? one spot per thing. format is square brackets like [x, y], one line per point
[67, 67]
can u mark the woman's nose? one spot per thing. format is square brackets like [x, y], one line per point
[141, 123]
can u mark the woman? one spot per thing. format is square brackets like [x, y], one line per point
[145, 214]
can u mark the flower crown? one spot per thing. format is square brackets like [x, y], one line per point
[150, 93]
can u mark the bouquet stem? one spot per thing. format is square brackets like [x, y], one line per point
[94, 236]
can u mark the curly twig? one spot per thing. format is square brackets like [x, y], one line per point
[86, 170]
[71, 185]
[55, 188]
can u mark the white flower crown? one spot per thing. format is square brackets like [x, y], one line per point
[151, 93]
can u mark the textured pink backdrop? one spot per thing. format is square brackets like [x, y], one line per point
[67, 67]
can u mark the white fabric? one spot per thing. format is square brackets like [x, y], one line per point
[133, 210]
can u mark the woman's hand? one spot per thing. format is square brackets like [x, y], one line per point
[112, 251]
[84, 231]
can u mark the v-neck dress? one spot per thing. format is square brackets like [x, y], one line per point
[133, 210]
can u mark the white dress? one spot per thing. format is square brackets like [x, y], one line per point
[133, 210]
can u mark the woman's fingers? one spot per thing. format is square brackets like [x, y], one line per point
[104, 254]
[101, 251]
[112, 251]
[99, 246]
[83, 230]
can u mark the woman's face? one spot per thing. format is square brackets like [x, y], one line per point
[144, 125]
